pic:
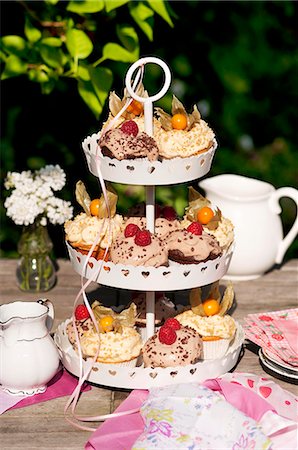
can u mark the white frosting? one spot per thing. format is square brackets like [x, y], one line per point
[220, 326]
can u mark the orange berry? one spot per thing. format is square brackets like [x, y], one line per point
[211, 307]
[179, 121]
[106, 322]
[94, 207]
[135, 108]
[204, 215]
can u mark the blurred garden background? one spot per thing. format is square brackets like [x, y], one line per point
[237, 61]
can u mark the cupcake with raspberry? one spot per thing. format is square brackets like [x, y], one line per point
[138, 247]
[192, 246]
[173, 345]
[117, 344]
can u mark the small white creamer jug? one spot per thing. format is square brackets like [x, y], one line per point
[29, 357]
[253, 207]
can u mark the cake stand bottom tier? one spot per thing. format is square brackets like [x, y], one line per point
[145, 378]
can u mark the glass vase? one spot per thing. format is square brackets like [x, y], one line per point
[36, 271]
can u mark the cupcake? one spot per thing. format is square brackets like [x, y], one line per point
[181, 134]
[191, 246]
[208, 318]
[173, 345]
[200, 210]
[94, 225]
[118, 341]
[137, 247]
[164, 309]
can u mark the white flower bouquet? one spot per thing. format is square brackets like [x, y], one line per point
[33, 196]
[32, 203]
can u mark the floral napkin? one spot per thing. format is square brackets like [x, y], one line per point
[277, 333]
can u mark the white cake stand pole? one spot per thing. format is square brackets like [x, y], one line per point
[150, 190]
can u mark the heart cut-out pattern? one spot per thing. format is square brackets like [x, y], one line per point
[112, 372]
[79, 259]
[145, 274]
[187, 167]
[217, 266]
[151, 169]
[203, 269]
[131, 168]
[125, 272]
[95, 369]
[153, 374]
[265, 391]
[186, 273]
[90, 264]
[173, 374]
[202, 162]
[112, 165]
[106, 268]
[165, 274]
[132, 374]
[192, 371]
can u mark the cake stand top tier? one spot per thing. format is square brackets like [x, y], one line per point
[141, 171]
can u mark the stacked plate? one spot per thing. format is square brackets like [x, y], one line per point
[281, 368]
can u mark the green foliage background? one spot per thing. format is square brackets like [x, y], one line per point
[236, 60]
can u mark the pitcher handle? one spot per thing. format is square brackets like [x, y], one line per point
[275, 207]
[50, 318]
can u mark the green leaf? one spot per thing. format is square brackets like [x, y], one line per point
[87, 93]
[52, 42]
[14, 67]
[85, 6]
[48, 87]
[37, 75]
[117, 53]
[141, 13]
[52, 2]
[15, 45]
[160, 8]
[83, 72]
[113, 4]
[52, 56]
[78, 43]
[101, 79]
[32, 34]
[127, 36]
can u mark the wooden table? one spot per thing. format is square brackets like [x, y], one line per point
[43, 426]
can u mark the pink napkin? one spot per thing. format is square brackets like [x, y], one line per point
[255, 396]
[121, 432]
[62, 384]
[277, 333]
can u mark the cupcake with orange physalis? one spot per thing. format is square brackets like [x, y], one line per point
[93, 225]
[209, 319]
[117, 344]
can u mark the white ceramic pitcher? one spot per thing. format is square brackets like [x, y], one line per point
[29, 358]
[253, 207]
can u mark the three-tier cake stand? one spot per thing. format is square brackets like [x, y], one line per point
[148, 279]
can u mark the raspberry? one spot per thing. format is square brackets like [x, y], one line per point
[167, 335]
[131, 230]
[169, 213]
[195, 228]
[143, 238]
[172, 323]
[81, 312]
[130, 127]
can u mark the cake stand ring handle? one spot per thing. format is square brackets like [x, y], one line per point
[140, 63]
